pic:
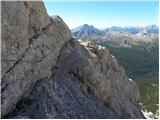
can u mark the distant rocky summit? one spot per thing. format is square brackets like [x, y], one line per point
[146, 36]
[85, 31]
[47, 74]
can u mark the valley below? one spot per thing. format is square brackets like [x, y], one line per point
[142, 67]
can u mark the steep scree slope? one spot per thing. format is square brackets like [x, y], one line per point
[47, 74]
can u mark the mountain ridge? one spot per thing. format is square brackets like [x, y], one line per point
[131, 29]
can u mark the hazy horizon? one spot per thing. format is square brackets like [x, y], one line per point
[116, 26]
[105, 14]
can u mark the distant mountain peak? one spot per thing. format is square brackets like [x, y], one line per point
[85, 27]
[86, 31]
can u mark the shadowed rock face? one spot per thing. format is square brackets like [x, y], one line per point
[47, 74]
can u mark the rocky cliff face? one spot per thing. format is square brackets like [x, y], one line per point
[47, 74]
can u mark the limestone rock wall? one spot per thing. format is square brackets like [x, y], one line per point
[31, 42]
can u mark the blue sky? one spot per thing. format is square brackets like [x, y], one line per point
[104, 14]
